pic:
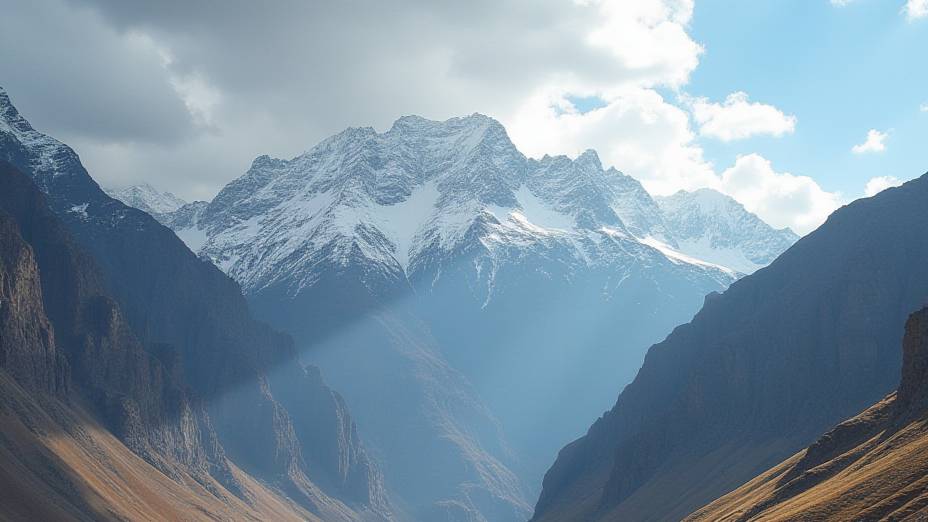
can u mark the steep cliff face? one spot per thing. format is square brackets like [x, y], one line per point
[873, 466]
[760, 371]
[140, 397]
[913, 387]
[27, 342]
[195, 322]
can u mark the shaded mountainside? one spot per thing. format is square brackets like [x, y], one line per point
[269, 415]
[759, 373]
[871, 467]
[94, 427]
[529, 289]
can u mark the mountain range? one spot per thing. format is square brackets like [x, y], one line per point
[501, 292]
[474, 308]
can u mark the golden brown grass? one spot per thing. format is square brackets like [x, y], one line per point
[57, 463]
[882, 477]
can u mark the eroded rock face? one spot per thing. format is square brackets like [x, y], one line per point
[85, 341]
[27, 340]
[913, 388]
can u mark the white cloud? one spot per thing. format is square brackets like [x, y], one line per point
[779, 198]
[648, 35]
[915, 9]
[875, 142]
[636, 131]
[923, 107]
[738, 118]
[255, 79]
[210, 90]
[880, 183]
[646, 137]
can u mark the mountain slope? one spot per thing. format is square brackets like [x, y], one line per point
[93, 427]
[188, 313]
[760, 371]
[59, 464]
[870, 467]
[530, 287]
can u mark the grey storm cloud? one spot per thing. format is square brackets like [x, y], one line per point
[122, 81]
[77, 82]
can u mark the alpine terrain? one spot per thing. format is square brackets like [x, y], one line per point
[129, 364]
[473, 305]
[559, 261]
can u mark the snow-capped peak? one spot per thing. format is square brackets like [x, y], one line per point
[713, 226]
[47, 156]
[404, 201]
[148, 199]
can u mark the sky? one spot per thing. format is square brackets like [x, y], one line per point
[792, 107]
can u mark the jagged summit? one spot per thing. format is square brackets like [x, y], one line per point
[591, 157]
[713, 226]
[407, 197]
[46, 156]
[475, 120]
[147, 198]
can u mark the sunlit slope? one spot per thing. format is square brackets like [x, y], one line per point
[57, 463]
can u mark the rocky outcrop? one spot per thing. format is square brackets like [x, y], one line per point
[164, 314]
[27, 341]
[870, 467]
[913, 388]
[759, 373]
